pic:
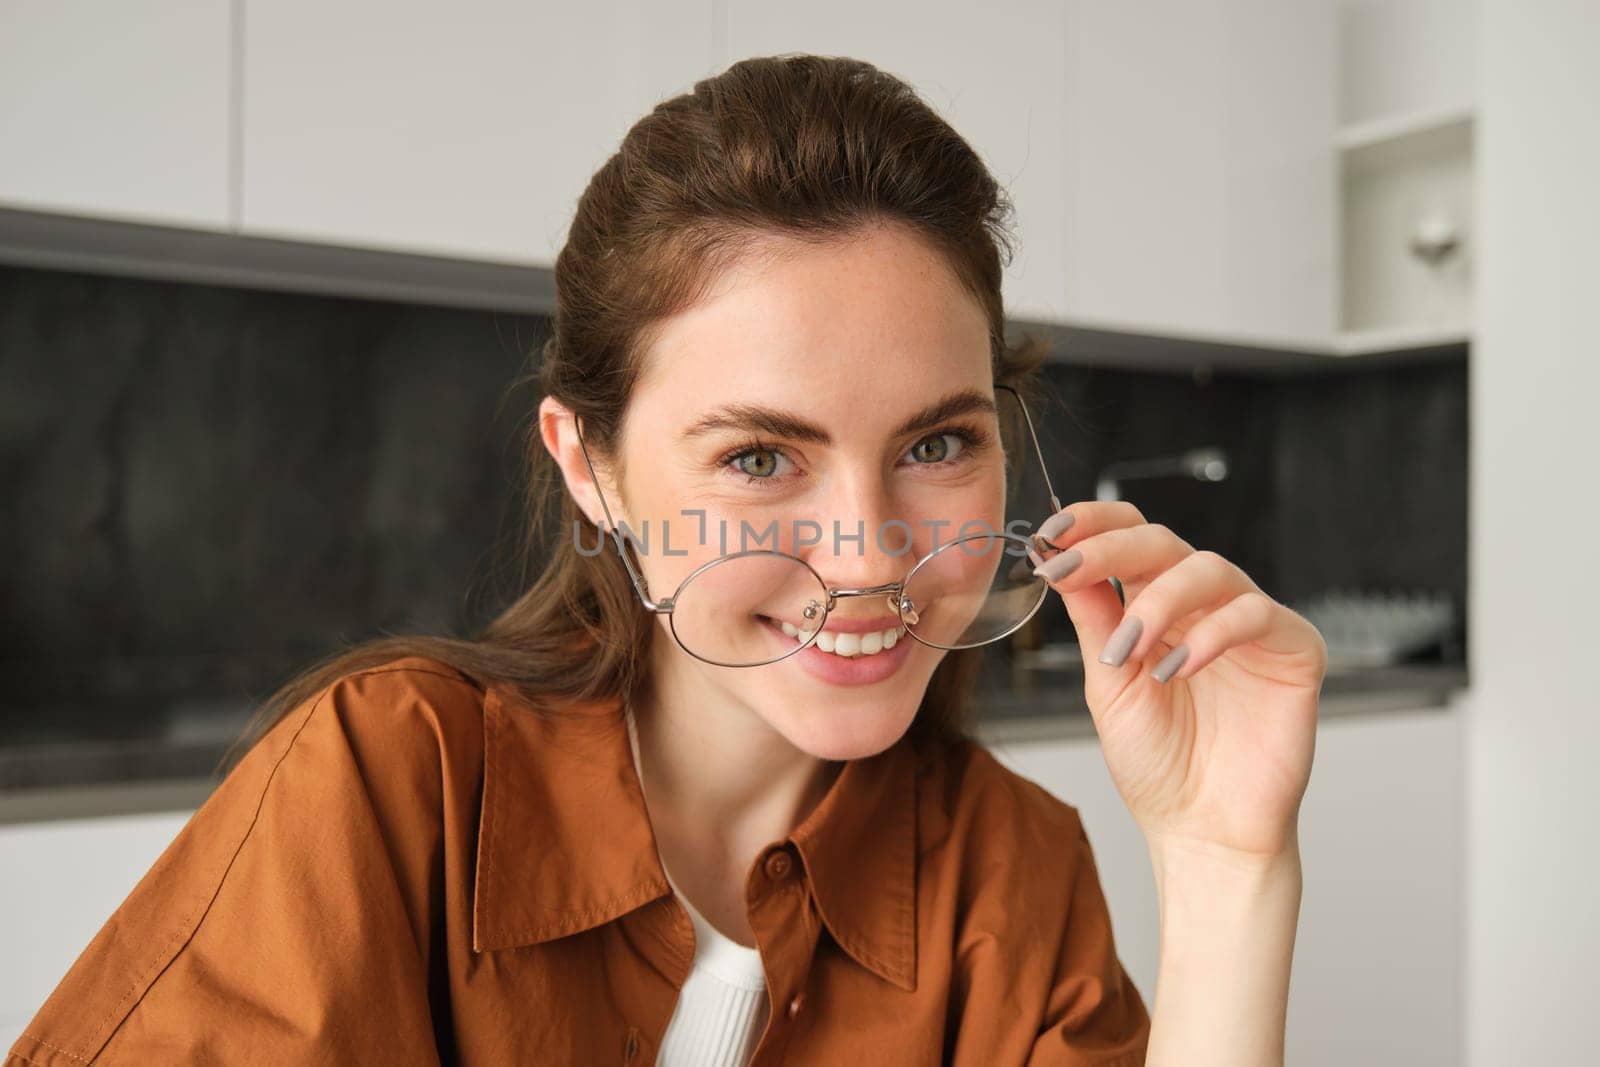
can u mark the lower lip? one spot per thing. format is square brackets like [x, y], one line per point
[855, 670]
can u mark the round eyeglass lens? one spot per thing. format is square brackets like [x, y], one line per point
[748, 608]
[971, 591]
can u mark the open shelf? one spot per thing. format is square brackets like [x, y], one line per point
[1397, 173]
[1390, 130]
[1386, 145]
[1399, 339]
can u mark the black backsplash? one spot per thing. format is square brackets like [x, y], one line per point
[1353, 479]
[206, 487]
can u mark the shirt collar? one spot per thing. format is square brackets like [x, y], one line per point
[565, 842]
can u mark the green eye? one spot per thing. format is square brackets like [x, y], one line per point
[934, 449]
[758, 463]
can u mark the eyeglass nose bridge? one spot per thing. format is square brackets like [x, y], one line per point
[897, 599]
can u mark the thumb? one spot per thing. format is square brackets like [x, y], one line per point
[1095, 611]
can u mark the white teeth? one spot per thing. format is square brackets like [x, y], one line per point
[847, 645]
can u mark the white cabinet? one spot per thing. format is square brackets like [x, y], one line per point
[995, 74]
[116, 110]
[1200, 185]
[1377, 962]
[1377, 968]
[466, 131]
[1406, 57]
[1171, 162]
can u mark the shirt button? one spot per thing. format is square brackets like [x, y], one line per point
[778, 865]
[796, 1002]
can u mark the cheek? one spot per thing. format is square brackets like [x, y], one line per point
[663, 539]
[682, 524]
[979, 504]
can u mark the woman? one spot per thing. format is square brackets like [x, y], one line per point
[747, 826]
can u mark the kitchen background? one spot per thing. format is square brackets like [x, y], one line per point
[212, 486]
[263, 297]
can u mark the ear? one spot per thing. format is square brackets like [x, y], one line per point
[558, 429]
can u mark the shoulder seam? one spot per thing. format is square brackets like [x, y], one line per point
[163, 957]
[186, 931]
[459, 676]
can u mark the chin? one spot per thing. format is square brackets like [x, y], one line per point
[835, 736]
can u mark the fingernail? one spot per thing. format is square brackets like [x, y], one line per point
[1056, 568]
[1121, 641]
[1058, 523]
[1170, 663]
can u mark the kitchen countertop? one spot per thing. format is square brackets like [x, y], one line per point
[112, 776]
[1053, 707]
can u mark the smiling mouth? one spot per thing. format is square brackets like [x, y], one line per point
[846, 645]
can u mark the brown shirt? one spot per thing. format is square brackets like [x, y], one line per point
[412, 869]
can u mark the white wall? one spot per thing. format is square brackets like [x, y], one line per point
[1533, 788]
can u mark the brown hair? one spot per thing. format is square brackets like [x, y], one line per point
[797, 146]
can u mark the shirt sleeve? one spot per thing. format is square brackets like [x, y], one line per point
[289, 920]
[1094, 1013]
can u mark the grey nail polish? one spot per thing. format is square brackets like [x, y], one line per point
[1170, 663]
[1058, 567]
[1058, 523]
[1121, 641]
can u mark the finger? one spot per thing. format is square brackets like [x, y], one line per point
[1130, 552]
[1082, 519]
[1199, 582]
[1250, 616]
[1080, 575]
[1072, 525]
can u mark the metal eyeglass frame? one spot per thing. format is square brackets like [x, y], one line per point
[894, 590]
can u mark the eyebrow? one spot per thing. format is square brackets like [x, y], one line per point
[754, 418]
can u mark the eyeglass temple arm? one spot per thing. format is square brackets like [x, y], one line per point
[1055, 501]
[616, 537]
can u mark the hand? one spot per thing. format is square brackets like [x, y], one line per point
[1217, 757]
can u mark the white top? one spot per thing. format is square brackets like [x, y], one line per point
[723, 1005]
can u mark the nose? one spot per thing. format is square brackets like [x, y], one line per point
[864, 544]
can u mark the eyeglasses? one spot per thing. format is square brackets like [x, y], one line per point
[759, 606]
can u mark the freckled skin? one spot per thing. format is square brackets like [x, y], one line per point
[855, 337]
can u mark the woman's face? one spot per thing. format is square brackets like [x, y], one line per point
[844, 388]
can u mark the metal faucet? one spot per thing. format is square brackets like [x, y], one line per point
[1203, 464]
